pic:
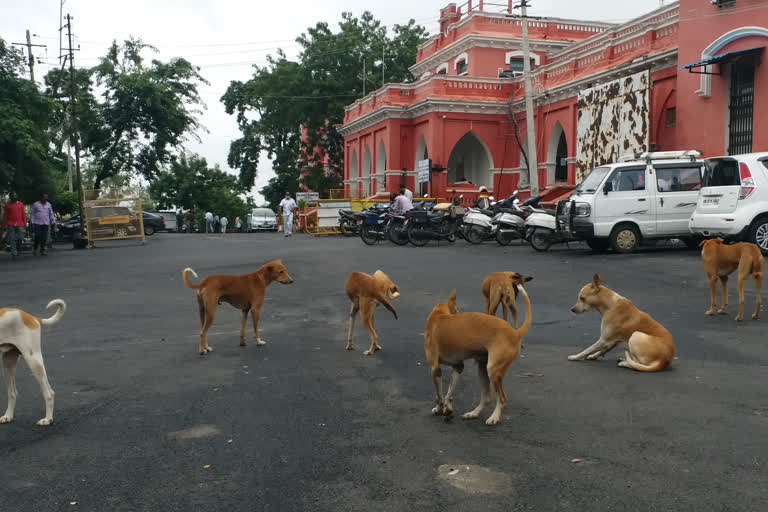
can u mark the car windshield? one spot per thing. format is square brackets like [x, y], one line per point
[721, 173]
[592, 181]
[263, 212]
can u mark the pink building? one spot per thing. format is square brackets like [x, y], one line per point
[600, 91]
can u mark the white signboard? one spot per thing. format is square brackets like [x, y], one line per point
[422, 170]
[307, 197]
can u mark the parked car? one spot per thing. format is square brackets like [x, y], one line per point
[642, 197]
[67, 228]
[170, 219]
[261, 219]
[733, 202]
[153, 222]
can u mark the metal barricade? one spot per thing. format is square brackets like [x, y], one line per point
[116, 218]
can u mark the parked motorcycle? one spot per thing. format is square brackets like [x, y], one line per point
[348, 223]
[396, 229]
[374, 224]
[425, 225]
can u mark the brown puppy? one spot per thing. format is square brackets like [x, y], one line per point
[451, 337]
[365, 292]
[648, 345]
[499, 288]
[245, 292]
[721, 260]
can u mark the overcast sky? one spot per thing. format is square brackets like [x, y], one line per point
[225, 37]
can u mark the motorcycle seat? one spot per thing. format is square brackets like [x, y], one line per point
[489, 213]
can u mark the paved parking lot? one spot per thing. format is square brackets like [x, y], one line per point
[142, 422]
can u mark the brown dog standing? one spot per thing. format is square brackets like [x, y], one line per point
[649, 347]
[245, 292]
[451, 337]
[499, 288]
[720, 260]
[365, 292]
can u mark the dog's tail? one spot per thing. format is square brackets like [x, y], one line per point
[186, 279]
[61, 308]
[527, 323]
[385, 302]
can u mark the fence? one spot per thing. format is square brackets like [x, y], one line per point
[115, 218]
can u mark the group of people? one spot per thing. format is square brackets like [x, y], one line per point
[215, 224]
[41, 220]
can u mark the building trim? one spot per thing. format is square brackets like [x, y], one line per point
[705, 82]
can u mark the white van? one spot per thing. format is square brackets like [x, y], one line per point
[643, 196]
[261, 219]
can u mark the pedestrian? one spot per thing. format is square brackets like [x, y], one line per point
[215, 223]
[190, 220]
[402, 204]
[208, 222]
[14, 219]
[407, 192]
[224, 221]
[288, 205]
[482, 201]
[238, 224]
[42, 219]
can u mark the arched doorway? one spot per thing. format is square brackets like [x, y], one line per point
[557, 153]
[470, 161]
[381, 167]
[366, 175]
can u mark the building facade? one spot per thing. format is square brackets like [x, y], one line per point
[685, 76]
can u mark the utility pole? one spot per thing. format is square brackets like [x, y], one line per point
[30, 57]
[73, 123]
[533, 165]
[363, 76]
[383, 46]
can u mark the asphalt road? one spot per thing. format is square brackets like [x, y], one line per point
[142, 422]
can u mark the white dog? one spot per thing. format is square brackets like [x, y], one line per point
[20, 336]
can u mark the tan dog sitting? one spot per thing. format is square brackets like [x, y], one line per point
[245, 292]
[499, 288]
[366, 292]
[451, 337]
[648, 346]
[720, 260]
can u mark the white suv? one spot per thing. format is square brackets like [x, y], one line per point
[733, 202]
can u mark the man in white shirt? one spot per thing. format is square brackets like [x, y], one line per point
[208, 222]
[288, 205]
[407, 193]
[224, 221]
[402, 204]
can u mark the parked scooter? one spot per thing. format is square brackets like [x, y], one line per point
[477, 224]
[541, 226]
[509, 224]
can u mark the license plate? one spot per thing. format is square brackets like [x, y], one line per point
[710, 202]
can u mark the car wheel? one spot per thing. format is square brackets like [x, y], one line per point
[625, 239]
[758, 234]
[121, 232]
[692, 242]
[149, 230]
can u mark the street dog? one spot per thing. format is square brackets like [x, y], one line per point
[20, 336]
[245, 292]
[366, 292]
[648, 346]
[500, 288]
[451, 337]
[720, 260]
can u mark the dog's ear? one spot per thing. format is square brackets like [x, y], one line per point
[452, 298]
[596, 281]
[703, 242]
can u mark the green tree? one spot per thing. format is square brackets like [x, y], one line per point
[143, 115]
[24, 119]
[284, 96]
[189, 183]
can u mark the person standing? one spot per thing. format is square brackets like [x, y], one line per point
[208, 222]
[238, 224]
[224, 221]
[407, 193]
[190, 220]
[42, 218]
[288, 205]
[215, 223]
[14, 219]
